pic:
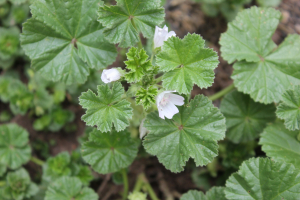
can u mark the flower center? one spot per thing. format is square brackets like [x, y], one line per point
[165, 100]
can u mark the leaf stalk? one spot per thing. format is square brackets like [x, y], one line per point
[125, 183]
[36, 161]
[221, 93]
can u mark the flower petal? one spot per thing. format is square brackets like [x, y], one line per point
[170, 110]
[176, 99]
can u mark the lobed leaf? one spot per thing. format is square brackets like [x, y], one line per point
[124, 21]
[187, 62]
[108, 153]
[215, 193]
[193, 132]
[64, 40]
[263, 74]
[281, 144]
[106, 108]
[289, 108]
[264, 179]
[146, 97]
[14, 148]
[67, 188]
[245, 119]
[138, 64]
[19, 186]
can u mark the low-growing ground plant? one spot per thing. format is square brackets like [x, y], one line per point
[146, 108]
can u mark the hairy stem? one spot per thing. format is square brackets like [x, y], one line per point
[36, 161]
[125, 183]
[221, 93]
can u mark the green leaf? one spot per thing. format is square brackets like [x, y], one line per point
[193, 132]
[187, 62]
[108, 153]
[137, 64]
[233, 155]
[124, 21]
[281, 144]
[264, 179]
[263, 74]
[9, 42]
[84, 174]
[146, 97]
[60, 117]
[56, 167]
[67, 188]
[4, 91]
[14, 148]
[249, 36]
[245, 119]
[215, 193]
[64, 40]
[2, 169]
[289, 108]
[268, 3]
[19, 186]
[106, 108]
[18, 14]
[16, 2]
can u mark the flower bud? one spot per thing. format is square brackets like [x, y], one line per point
[110, 75]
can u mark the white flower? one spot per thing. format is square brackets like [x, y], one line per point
[161, 35]
[166, 102]
[109, 75]
[143, 130]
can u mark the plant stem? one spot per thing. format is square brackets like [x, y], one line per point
[158, 79]
[151, 59]
[142, 181]
[151, 192]
[125, 183]
[37, 161]
[139, 183]
[221, 93]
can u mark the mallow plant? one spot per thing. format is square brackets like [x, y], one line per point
[68, 40]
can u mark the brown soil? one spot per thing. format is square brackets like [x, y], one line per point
[183, 16]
